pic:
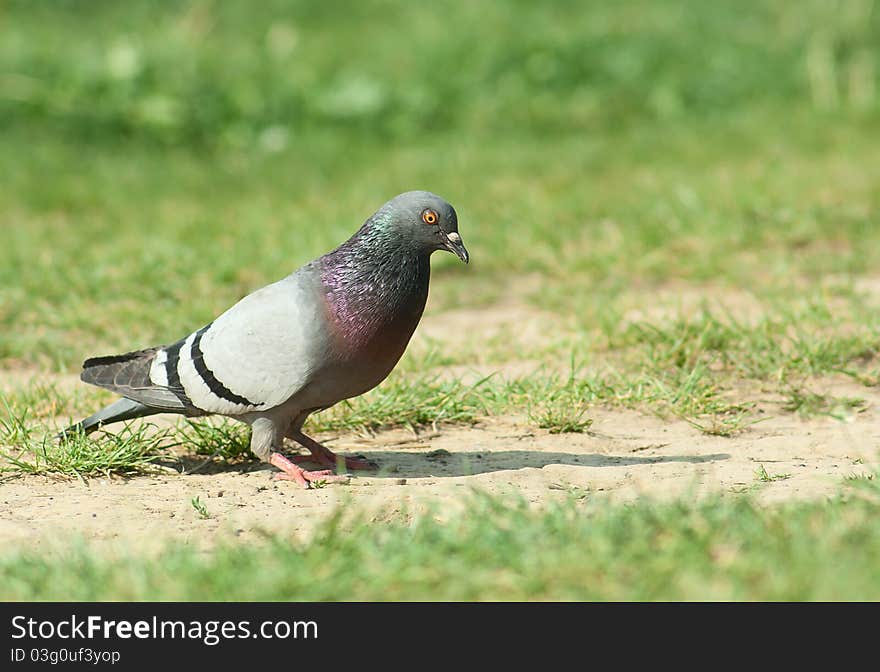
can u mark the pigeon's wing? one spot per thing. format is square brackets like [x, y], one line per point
[254, 357]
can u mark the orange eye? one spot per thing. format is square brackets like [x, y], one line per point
[429, 217]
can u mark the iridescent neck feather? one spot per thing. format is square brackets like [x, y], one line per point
[375, 285]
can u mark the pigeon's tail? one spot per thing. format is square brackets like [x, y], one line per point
[128, 376]
[131, 370]
[123, 409]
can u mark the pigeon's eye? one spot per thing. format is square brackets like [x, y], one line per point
[430, 217]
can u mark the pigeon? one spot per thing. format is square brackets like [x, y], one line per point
[331, 330]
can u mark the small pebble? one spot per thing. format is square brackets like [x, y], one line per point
[436, 454]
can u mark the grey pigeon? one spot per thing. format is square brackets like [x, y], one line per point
[331, 330]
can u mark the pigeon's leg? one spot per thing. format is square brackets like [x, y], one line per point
[327, 457]
[321, 454]
[266, 440]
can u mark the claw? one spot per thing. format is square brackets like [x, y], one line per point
[291, 472]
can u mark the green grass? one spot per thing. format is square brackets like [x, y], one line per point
[199, 506]
[807, 403]
[126, 451]
[413, 402]
[762, 475]
[561, 417]
[504, 550]
[561, 410]
[230, 441]
[28, 428]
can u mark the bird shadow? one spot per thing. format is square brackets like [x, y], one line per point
[206, 465]
[415, 465]
[443, 464]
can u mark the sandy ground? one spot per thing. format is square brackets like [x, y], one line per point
[625, 454]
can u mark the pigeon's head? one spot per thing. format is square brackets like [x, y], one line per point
[424, 220]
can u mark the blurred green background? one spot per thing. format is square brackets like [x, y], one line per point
[210, 75]
[159, 160]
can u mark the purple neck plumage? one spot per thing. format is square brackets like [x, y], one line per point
[375, 287]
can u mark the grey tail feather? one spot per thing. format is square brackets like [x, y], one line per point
[129, 376]
[123, 409]
[130, 369]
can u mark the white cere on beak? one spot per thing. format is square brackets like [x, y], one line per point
[453, 237]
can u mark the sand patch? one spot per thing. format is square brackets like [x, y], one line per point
[625, 455]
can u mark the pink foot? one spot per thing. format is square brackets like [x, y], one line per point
[291, 472]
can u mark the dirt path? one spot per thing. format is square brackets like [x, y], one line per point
[627, 454]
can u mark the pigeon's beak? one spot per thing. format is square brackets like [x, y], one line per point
[454, 245]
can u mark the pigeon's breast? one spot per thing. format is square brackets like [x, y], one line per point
[369, 326]
[365, 328]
